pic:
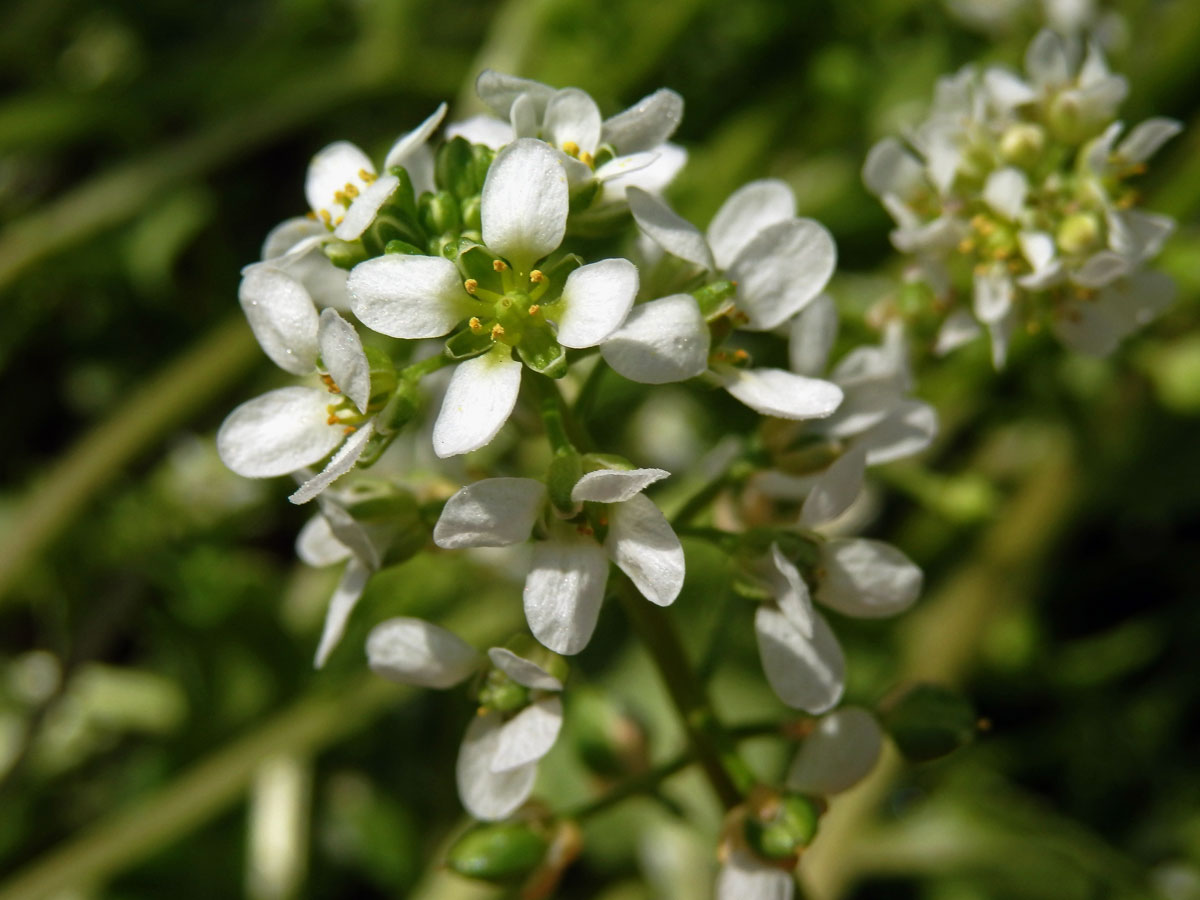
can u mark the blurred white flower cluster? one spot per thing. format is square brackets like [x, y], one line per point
[1015, 195]
[499, 252]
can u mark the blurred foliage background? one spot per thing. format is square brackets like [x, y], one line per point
[161, 729]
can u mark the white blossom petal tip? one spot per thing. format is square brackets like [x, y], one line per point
[523, 671]
[494, 512]
[644, 546]
[807, 674]
[524, 203]
[615, 485]
[595, 301]
[786, 395]
[479, 400]
[413, 651]
[867, 578]
[280, 432]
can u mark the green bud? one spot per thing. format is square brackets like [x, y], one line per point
[1022, 144]
[783, 827]
[345, 254]
[609, 741]
[565, 470]
[476, 262]
[928, 721]
[398, 246]
[501, 853]
[453, 168]
[400, 409]
[383, 372]
[472, 213]
[1078, 233]
[593, 462]
[541, 352]
[584, 197]
[467, 344]
[481, 161]
[403, 200]
[439, 213]
[527, 648]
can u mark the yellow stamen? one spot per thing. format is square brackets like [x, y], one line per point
[966, 245]
[351, 190]
[471, 285]
[741, 355]
[571, 148]
[341, 197]
[475, 325]
[587, 159]
[536, 276]
[533, 310]
[585, 530]
[339, 220]
[332, 420]
[366, 176]
[325, 217]
[311, 215]
[497, 330]
[329, 383]
[350, 429]
[499, 265]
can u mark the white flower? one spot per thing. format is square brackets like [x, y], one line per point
[524, 213]
[744, 877]
[569, 570]
[291, 428]
[855, 576]
[516, 726]
[779, 264]
[627, 150]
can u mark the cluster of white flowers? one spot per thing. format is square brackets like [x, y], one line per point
[1015, 196]
[471, 241]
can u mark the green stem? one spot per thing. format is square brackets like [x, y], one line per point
[695, 504]
[714, 750]
[427, 366]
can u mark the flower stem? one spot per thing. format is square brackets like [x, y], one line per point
[714, 750]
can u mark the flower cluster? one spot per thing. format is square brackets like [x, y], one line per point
[498, 252]
[1015, 196]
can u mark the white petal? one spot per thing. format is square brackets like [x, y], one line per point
[402, 151]
[811, 336]
[282, 316]
[342, 355]
[525, 116]
[774, 392]
[287, 234]
[1100, 269]
[668, 229]
[572, 116]
[646, 124]
[339, 464]
[615, 485]
[366, 205]
[1006, 89]
[529, 735]
[749, 210]
[643, 545]
[413, 651]
[993, 294]
[486, 130]
[805, 674]
[788, 589]
[743, 877]
[479, 400]
[330, 171]
[409, 296]
[620, 167]
[1046, 59]
[523, 671]
[669, 160]
[839, 754]
[494, 512]
[348, 530]
[524, 203]
[563, 592]
[1038, 249]
[867, 579]
[662, 341]
[784, 267]
[316, 545]
[489, 795]
[1097, 326]
[1144, 140]
[277, 433]
[960, 328]
[341, 604]
[1004, 191]
[596, 299]
[866, 403]
[837, 488]
[908, 429]
[1138, 234]
[499, 91]
[891, 169]
[1096, 154]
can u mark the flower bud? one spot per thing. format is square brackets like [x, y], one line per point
[502, 853]
[1078, 233]
[1022, 144]
[345, 254]
[439, 213]
[783, 826]
[565, 470]
[928, 721]
[454, 168]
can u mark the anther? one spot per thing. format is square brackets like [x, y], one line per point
[966, 245]
[497, 330]
[587, 159]
[366, 176]
[585, 530]
[349, 429]
[350, 190]
[332, 420]
[533, 309]
[475, 325]
[471, 285]
[499, 265]
[536, 276]
[311, 215]
[571, 148]
[325, 217]
[741, 355]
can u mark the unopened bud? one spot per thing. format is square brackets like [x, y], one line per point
[1022, 144]
[503, 853]
[1078, 233]
[783, 826]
